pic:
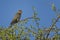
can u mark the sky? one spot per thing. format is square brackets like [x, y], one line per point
[8, 9]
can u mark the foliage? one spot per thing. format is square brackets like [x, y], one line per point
[30, 27]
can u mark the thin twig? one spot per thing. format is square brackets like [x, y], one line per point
[52, 26]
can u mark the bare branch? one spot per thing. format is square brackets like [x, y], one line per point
[52, 26]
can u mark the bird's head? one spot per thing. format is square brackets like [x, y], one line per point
[19, 11]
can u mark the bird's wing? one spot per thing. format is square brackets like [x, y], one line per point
[14, 19]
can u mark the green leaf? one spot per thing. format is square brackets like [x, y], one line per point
[53, 7]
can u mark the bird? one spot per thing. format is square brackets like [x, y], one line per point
[16, 18]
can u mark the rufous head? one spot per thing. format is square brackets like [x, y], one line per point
[19, 11]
